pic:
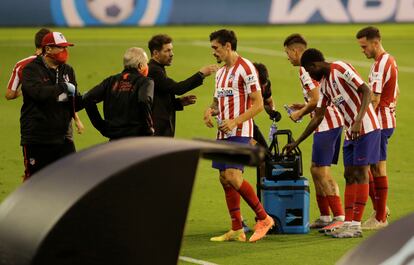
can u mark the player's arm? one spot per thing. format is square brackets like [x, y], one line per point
[209, 112]
[80, 128]
[308, 107]
[10, 94]
[256, 107]
[375, 99]
[13, 85]
[366, 100]
[90, 99]
[313, 124]
[145, 100]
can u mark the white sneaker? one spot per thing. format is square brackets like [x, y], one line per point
[319, 223]
[373, 224]
[347, 231]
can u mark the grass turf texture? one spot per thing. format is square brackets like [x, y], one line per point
[98, 53]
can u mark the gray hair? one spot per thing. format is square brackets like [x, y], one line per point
[134, 57]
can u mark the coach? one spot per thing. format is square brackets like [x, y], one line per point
[127, 99]
[165, 89]
[50, 100]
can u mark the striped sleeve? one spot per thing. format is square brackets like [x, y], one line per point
[307, 82]
[249, 76]
[350, 75]
[14, 80]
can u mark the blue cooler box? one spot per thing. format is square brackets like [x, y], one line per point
[287, 201]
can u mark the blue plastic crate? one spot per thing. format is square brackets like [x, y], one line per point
[287, 201]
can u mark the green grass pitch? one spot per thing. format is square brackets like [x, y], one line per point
[98, 53]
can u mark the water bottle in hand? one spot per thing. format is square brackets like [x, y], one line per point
[289, 111]
[219, 122]
[272, 131]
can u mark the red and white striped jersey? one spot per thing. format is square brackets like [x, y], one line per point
[333, 119]
[341, 89]
[16, 76]
[233, 86]
[383, 79]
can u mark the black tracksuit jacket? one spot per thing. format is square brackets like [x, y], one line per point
[165, 103]
[45, 117]
[127, 102]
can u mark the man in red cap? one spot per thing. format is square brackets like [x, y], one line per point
[50, 100]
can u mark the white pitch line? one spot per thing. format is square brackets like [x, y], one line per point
[282, 54]
[195, 261]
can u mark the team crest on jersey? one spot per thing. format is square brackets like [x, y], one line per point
[334, 85]
[66, 78]
[376, 76]
[32, 161]
[231, 78]
[78, 13]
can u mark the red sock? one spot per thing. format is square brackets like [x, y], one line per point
[350, 196]
[381, 190]
[336, 205]
[362, 191]
[233, 205]
[248, 194]
[323, 205]
[372, 190]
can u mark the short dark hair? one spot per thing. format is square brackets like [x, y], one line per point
[157, 41]
[369, 33]
[39, 37]
[223, 36]
[311, 56]
[262, 71]
[294, 39]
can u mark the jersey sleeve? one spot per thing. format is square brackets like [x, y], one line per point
[15, 78]
[251, 79]
[324, 100]
[350, 76]
[306, 80]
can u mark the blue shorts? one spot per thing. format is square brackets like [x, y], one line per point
[235, 139]
[385, 135]
[363, 151]
[326, 146]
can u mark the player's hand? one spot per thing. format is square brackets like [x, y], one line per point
[71, 88]
[188, 100]
[207, 118]
[289, 148]
[356, 130]
[295, 116]
[227, 126]
[209, 69]
[296, 106]
[79, 126]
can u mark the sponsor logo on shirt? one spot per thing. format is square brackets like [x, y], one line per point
[338, 100]
[225, 93]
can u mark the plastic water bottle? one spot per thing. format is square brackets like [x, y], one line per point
[289, 111]
[219, 122]
[272, 131]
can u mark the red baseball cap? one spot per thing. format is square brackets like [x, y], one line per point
[55, 39]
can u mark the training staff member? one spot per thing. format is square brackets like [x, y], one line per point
[165, 89]
[127, 99]
[50, 100]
